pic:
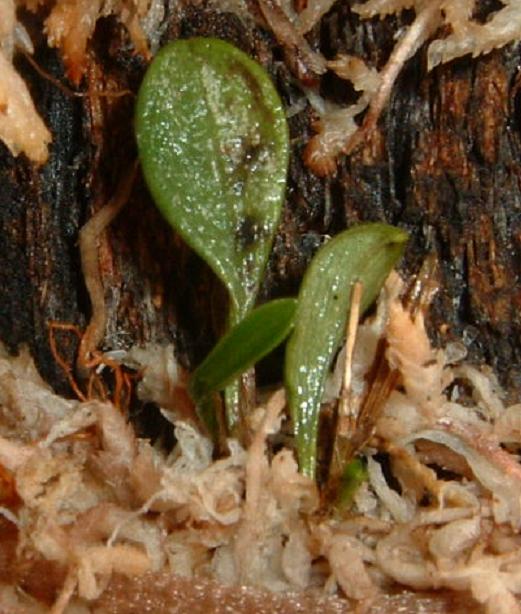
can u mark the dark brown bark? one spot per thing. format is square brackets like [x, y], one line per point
[447, 169]
[444, 164]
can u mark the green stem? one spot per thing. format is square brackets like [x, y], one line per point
[232, 402]
[232, 393]
[239, 396]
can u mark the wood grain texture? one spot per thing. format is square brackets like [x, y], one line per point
[444, 164]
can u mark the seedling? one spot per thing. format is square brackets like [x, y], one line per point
[365, 253]
[213, 145]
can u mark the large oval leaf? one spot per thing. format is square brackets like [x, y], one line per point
[256, 335]
[213, 143]
[367, 253]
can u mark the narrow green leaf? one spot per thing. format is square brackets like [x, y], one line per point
[261, 331]
[366, 253]
[213, 144]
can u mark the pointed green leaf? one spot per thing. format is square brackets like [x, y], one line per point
[261, 331]
[213, 144]
[367, 253]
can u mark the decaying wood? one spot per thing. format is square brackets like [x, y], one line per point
[443, 163]
[89, 236]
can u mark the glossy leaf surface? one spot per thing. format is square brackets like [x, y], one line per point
[261, 331]
[213, 145]
[365, 253]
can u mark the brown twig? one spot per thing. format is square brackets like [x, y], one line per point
[345, 424]
[304, 62]
[426, 22]
[382, 380]
[67, 369]
[95, 387]
[67, 90]
[351, 328]
[89, 236]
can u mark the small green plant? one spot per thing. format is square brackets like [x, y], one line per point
[365, 253]
[213, 145]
